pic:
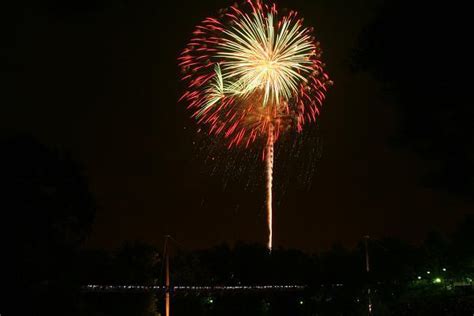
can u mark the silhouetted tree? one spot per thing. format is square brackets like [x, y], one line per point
[420, 52]
[462, 249]
[46, 213]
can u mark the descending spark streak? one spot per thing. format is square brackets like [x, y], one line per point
[269, 160]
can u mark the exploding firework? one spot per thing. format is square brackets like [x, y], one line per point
[253, 73]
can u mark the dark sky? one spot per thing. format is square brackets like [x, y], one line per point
[100, 79]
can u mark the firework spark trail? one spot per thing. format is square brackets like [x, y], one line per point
[253, 74]
[269, 160]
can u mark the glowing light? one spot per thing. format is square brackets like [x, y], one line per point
[251, 74]
[269, 160]
[437, 280]
[142, 288]
[419, 277]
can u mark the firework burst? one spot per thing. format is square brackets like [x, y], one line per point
[252, 73]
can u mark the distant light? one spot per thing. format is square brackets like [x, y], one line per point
[301, 302]
[419, 277]
[437, 280]
[428, 272]
[444, 269]
[211, 301]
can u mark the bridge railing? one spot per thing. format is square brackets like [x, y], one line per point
[176, 289]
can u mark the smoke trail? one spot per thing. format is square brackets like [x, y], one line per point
[269, 161]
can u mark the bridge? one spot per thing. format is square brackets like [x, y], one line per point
[185, 289]
[167, 290]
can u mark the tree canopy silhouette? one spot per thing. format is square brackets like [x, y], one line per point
[47, 211]
[420, 53]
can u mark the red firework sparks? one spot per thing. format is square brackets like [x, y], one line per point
[226, 68]
[253, 74]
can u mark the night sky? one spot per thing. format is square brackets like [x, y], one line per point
[100, 79]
